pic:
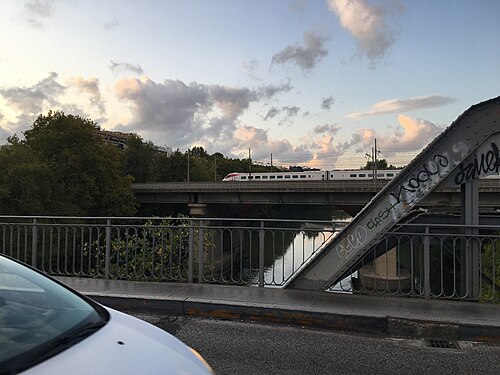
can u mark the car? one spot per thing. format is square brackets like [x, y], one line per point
[47, 328]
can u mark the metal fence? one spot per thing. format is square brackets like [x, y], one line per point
[428, 261]
[229, 251]
[431, 261]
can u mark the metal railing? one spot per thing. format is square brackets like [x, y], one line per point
[431, 261]
[425, 261]
[229, 251]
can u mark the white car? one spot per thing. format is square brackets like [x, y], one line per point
[47, 328]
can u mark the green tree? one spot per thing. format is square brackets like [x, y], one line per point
[381, 164]
[87, 172]
[170, 168]
[26, 182]
[138, 158]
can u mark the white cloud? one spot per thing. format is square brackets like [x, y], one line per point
[366, 24]
[403, 105]
[32, 100]
[38, 10]
[305, 57]
[327, 103]
[91, 87]
[110, 25]
[117, 67]
[412, 135]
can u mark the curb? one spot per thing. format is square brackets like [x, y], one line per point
[387, 326]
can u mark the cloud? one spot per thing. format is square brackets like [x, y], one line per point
[327, 103]
[262, 147]
[269, 91]
[117, 67]
[110, 25]
[42, 8]
[305, 57]
[320, 129]
[398, 105]
[91, 87]
[289, 111]
[273, 112]
[32, 99]
[367, 25]
[37, 10]
[411, 135]
[232, 101]
[180, 115]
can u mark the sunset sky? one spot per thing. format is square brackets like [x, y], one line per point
[311, 81]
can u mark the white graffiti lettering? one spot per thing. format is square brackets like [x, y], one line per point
[354, 240]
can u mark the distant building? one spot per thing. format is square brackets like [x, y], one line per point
[117, 139]
[120, 140]
[165, 149]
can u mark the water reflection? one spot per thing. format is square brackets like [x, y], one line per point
[286, 251]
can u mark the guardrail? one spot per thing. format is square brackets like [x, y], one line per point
[431, 261]
[427, 261]
[231, 251]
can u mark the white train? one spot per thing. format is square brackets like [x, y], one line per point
[385, 174]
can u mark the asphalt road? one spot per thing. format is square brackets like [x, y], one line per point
[235, 347]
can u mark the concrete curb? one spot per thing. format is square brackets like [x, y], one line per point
[381, 325]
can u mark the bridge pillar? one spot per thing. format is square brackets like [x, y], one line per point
[470, 265]
[198, 209]
[384, 274]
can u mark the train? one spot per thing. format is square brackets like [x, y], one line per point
[385, 174]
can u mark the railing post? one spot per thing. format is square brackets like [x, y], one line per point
[107, 255]
[34, 242]
[427, 265]
[261, 255]
[191, 251]
[201, 257]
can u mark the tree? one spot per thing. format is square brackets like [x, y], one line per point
[87, 173]
[381, 164]
[138, 158]
[26, 182]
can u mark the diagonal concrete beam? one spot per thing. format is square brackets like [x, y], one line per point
[470, 143]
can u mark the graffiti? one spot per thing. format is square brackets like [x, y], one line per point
[487, 162]
[353, 241]
[380, 217]
[429, 169]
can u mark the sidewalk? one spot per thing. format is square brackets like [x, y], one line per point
[391, 316]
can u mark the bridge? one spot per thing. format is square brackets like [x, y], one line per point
[350, 195]
[466, 150]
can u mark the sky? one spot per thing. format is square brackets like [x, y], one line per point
[310, 82]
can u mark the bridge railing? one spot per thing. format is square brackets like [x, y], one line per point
[424, 261]
[431, 261]
[229, 251]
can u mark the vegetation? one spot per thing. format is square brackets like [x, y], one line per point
[490, 268]
[63, 167]
[381, 164]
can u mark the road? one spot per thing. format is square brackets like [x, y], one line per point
[236, 347]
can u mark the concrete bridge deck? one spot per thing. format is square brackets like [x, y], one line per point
[411, 317]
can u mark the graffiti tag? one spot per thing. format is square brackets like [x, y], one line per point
[487, 162]
[428, 169]
[353, 241]
[380, 217]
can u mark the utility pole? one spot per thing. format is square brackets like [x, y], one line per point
[215, 167]
[375, 174]
[249, 165]
[188, 166]
[271, 162]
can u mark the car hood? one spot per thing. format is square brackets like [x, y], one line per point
[125, 345]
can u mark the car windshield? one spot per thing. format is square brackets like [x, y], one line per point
[39, 317]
